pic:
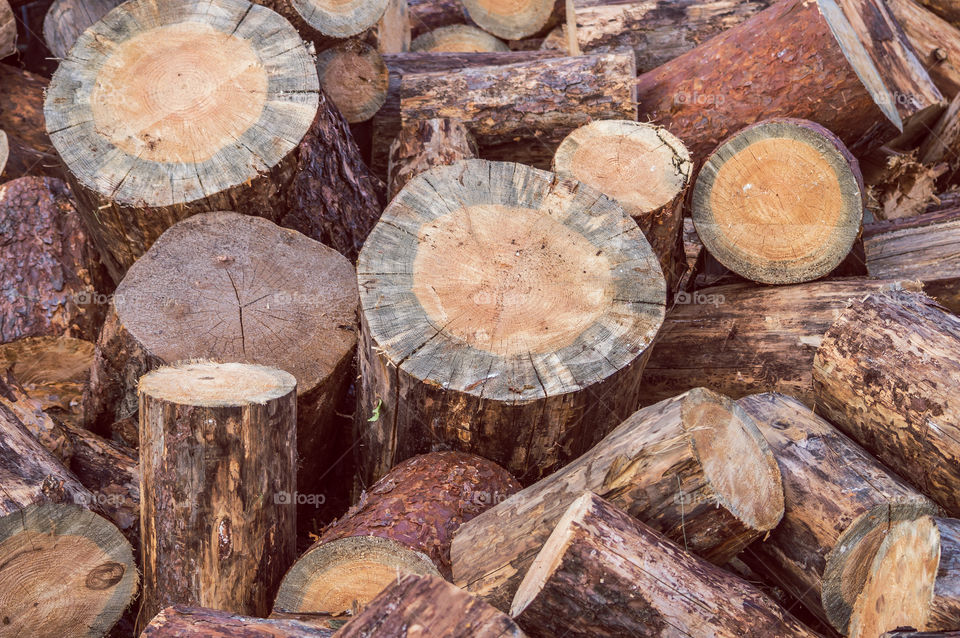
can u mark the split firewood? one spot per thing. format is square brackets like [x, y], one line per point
[458, 38]
[780, 202]
[936, 42]
[513, 124]
[602, 574]
[416, 508]
[70, 571]
[137, 172]
[51, 275]
[424, 145]
[885, 375]
[428, 606]
[924, 248]
[901, 186]
[67, 19]
[839, 504]
[355, 77]
[657, 32]
[489, 343]
[914, 580]
[742, 339]
[642, 167]
[8, 31]
[196, 622]
[850, 70]
[230, 287]
[427, 15]
[51, 370]
[671, 465]
[217, 475]
[946, 9]
[21, 117]
[49, 433]
[387, 123]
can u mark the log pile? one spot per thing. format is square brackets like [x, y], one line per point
[480, 318]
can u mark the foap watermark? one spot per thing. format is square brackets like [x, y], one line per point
[480, 497]
[298, 498]
[101, 499]
[94, 298]
[698, 99]
[684, 298]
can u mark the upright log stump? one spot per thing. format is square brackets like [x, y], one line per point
[505, 313]
[839, 505]
[162, 111]
[64, 570]
[642, 167]
[887, 374]
[780, 202]
[217, 456]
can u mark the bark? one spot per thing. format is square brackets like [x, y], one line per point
[131, 189]
[923, 248]
[232, 287]
[505, 298]
[386, 124]
[196, 622]
[53, 542]
[21, 109]
[67, 19]
[883, 376]
[427, 15]
[458, 38]
[217, 468]
[521, 112]
[431, 606]
[8, 32]
[742, 339]
[50, 271]
[945, 9]
[423, 145]
[661, 466]
[657, 31]
[604, 574]
[789, 64]
[839, 504]
[936, 42]
[50, 434]
[418, 506]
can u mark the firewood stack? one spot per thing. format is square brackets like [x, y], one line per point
[480, 318]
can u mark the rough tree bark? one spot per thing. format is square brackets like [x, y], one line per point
[21, 117]
[489, 343]
[52, 370]
[136, 172]
[521, 112]
[432, 607]
[646, 170]
[417, 506]
[839, 505]
[885, 375]
[423, 145]
[217, 456]
[945, 9]
[667, 465]
[790, 63]
[48, 433]
[604, 574]
[194, 622]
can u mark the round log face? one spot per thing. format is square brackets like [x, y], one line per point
[356, 78]
[64, 571]
[166, 104]
[510, 19]
[207, 384]
[458, 38]
[779, 202]
[341, 18]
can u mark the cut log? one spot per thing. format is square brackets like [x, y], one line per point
[392, 33]
[936, 41]
[780, 202]
[914, 580]
[232, 287]
[50, 273]
[50, 434]
[152, 133]
[512, 123]
[742, 339]
[423, 145]
[602, 574]
[417, 506]
[8, 31]
[656, 31]
[217, 468]
[671, 465]
[355, 77]
[886, 375]
[64, 570]
[429, 606]
[324, 22]
[839, 504]
[427, 15]
[924, 248]
[643, 168]
[946, 9]
[488, 344]
[52, 370]
[849, 69]
[513, 20]
[197, 622]
[458, 38]
[67, 19]
[386, 124]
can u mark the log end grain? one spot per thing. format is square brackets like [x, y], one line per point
[458, 38]
[511, 20]
[355, 77]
